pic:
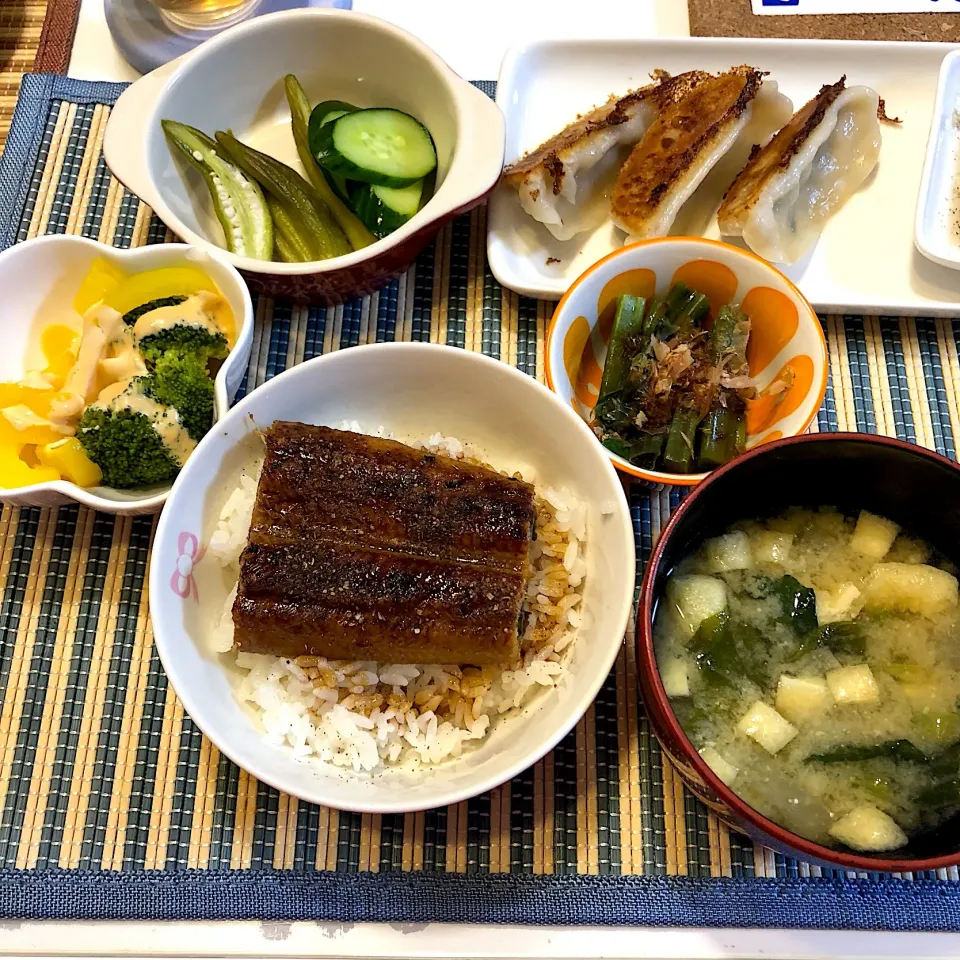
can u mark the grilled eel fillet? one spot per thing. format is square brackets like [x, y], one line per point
[679, 149]
[775, 156]
[362, 548]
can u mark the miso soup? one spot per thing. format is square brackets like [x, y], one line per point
[813, 659]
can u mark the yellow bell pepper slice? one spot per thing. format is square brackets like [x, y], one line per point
[10, 394]
[15, 473]
[57, 339]
[70, 461]
[32, 432]
[17, 395]
[56, 371]
[59, 344]
[102, 277]
[154, 284]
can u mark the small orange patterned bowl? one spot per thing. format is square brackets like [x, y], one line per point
[785, 332]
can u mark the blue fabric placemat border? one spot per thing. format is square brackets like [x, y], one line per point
[23, 140]
[925, 905]
[822, 904]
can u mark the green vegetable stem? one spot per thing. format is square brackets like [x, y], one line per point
[627, 323]
[357, 234]
[309, 216]
[853, 753]
[725, 335]
[678, 452]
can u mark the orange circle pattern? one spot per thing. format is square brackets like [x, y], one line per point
[774, 322]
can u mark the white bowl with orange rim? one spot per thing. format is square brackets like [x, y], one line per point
[785, 332]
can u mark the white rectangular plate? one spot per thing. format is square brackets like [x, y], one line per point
[938, 209]
[866, 259]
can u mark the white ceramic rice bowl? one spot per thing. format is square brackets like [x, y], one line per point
[414, 390]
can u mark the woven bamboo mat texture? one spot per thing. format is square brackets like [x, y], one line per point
[101, 770]
[21, 24]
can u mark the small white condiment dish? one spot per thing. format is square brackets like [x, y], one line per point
[937, 228]
[40, 279]
[413, 390]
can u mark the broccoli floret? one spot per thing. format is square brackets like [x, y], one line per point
[182, 382]
[125, 443]
[132, 316]
[186, 340]
[126, 447]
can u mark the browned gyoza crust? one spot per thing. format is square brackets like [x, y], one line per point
[685, 129]
[775, 156]
[551, 154]
[365, 548]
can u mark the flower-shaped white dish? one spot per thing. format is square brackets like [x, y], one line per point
[413, 390]
[235, 82]
[40, 279]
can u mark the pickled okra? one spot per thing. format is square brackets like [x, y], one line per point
[300, 119]
[238, 201]
[309, 217]
[290, 244]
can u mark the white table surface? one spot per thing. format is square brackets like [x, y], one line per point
[492, 26]
[471, 36]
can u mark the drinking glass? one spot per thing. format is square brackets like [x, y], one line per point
[200, 14]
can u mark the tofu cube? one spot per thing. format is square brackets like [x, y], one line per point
[764, 725]
[674, 674]
[696, 597]
[725, 770]
[907, 550]
[869, 829]
[801, 699]
[873, 536]
[913, 587]
[728, 552]
[841, 603]
[772, 547]
[853, 685]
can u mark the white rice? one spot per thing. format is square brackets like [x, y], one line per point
[363, 716]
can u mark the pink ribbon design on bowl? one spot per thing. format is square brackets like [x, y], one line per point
[190, 553]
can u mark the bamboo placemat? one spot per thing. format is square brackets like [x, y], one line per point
[34, 35]
[113, 804]
[21, 24]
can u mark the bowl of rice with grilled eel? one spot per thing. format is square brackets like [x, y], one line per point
[393, 577]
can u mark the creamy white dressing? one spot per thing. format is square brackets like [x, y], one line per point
[66, 406]
[82, 378]
[123, 360]
[165, 420]
[195, 311]
[125, 364]
[21, 417]
[35, 380]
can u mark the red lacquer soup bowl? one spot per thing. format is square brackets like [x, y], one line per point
[916, 488]
[235, 82]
